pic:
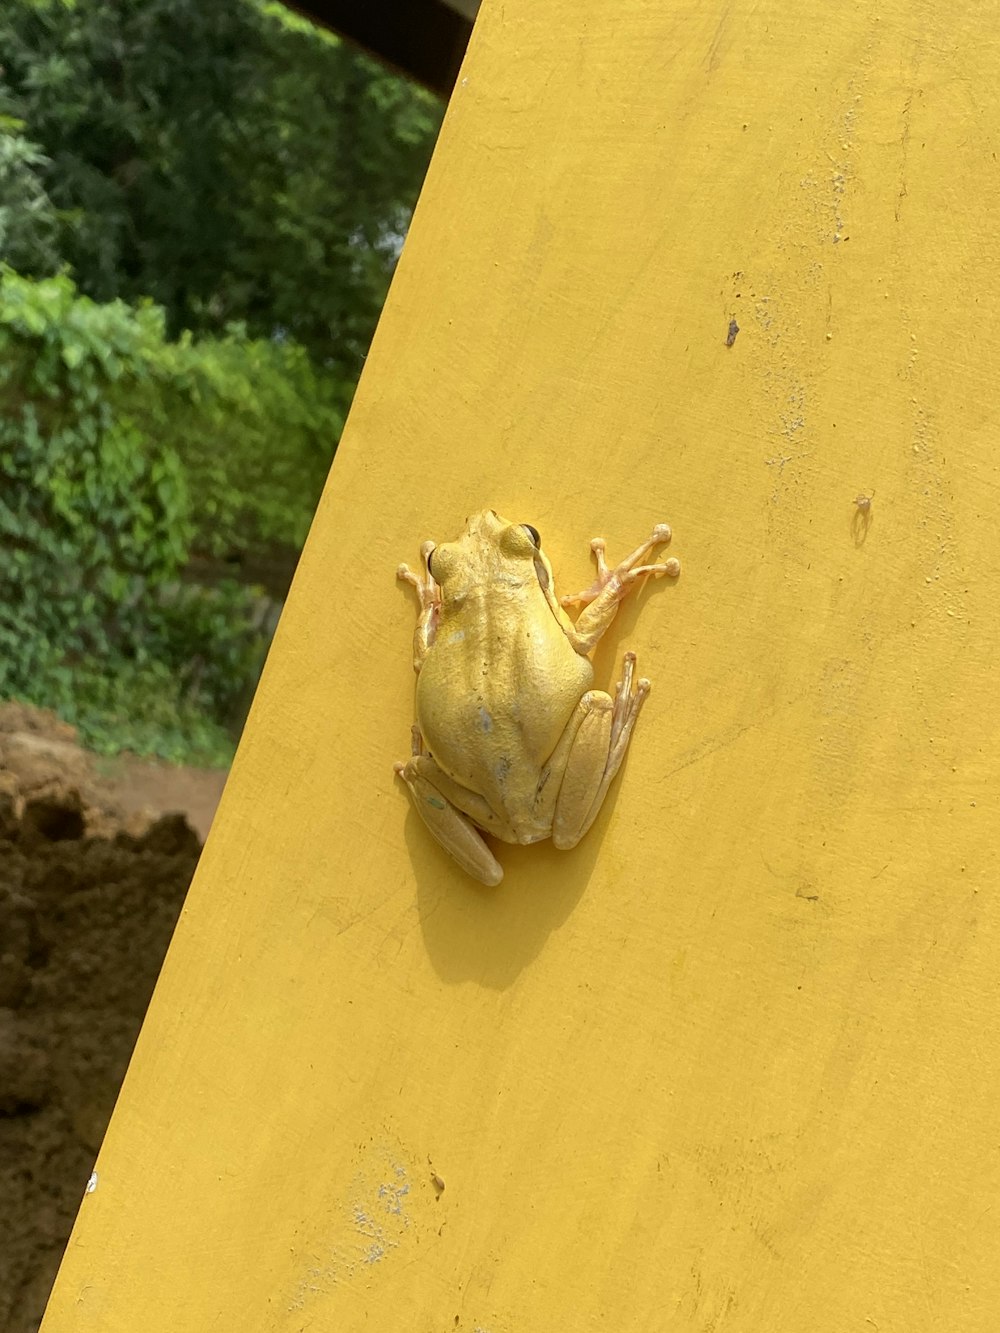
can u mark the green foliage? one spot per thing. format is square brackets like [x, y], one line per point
[28, 221]
[110, 466]
[256, 431]
[230, 161]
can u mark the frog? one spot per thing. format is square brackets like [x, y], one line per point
[510, 740]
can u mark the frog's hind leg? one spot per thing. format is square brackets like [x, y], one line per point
[449, 809]
[595, 755]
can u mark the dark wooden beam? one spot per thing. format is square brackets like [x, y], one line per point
[424, 39]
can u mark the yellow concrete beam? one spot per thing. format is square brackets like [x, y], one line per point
[733, 1063]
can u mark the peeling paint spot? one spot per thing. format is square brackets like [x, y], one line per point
[373, 1223]
[390, 1194]
[393, 1195]
[92, 1183]
[734, 329]
[368, 1227]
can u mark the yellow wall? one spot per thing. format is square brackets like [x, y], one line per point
[731, 1064]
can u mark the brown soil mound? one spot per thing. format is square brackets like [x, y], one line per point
[88, 899]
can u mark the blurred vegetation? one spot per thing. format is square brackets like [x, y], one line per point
[28, 220]
[119, 452]
[200, 210]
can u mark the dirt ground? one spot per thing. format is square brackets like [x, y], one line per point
[95, 859]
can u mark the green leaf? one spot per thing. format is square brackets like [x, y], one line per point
[72, 354]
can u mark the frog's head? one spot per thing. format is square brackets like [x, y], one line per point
[514, 539]
[489, 541]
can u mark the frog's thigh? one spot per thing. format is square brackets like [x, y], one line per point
[595, 755]
[464, 798]
[433, 796]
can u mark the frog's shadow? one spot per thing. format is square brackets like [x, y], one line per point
[489, 935]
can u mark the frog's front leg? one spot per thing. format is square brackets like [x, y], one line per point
[612, 586]
[590, 753]
[451, 812]
[430, 604]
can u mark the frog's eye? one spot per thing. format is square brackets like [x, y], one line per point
[441, 562]
[533, 534]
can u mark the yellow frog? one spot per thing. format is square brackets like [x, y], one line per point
[510, 739]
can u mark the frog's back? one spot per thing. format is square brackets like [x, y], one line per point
[496, 692]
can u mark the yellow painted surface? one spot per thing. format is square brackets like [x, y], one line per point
[733, 1063]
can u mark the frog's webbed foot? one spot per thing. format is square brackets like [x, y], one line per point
[430, 603]
[624, 574]
[612, 585]
[448, 809]
[596, 753]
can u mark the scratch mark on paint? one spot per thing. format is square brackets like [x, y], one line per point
[904, 152]
[730, 735]
[718, 41]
